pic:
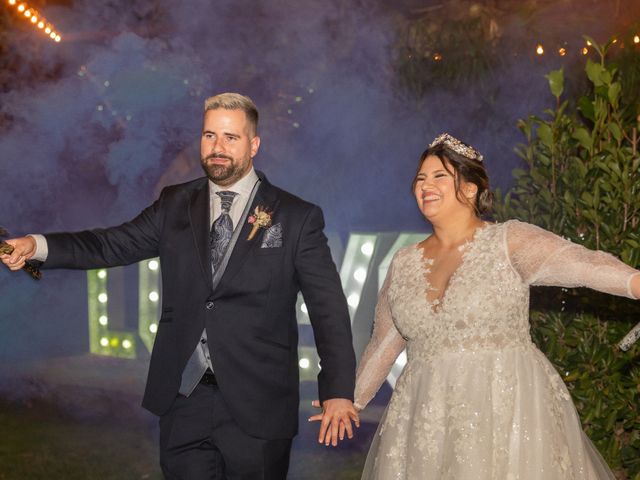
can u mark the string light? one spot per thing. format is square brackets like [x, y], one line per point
[636, 39]
[36, 19]
[562, 51]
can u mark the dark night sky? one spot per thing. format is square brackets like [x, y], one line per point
[115, 113]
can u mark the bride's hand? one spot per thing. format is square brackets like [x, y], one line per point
[318, 417]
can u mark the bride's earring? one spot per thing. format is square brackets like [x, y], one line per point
[471, 191]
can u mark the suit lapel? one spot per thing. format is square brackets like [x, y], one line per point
[199, 219]
[265, 197]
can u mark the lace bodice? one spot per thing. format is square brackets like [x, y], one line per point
[486, 302]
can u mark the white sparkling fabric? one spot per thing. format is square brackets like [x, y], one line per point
[477, 400]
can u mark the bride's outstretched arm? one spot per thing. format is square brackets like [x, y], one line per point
[635, 285]
[382, 351]
[543, 258]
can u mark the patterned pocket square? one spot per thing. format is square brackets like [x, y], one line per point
[272, 237]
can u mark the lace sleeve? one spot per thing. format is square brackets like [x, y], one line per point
[543, 258]
[382, 350]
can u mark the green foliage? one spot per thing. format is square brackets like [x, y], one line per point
[447, 52]
[582, 181]
[452, 45]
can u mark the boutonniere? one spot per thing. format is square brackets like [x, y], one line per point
[261, 218]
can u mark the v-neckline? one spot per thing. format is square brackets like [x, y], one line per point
[436, 305]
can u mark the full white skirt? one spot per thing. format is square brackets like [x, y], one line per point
[482, 415]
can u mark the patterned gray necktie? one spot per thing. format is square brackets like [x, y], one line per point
[219, 237]
[221, 230]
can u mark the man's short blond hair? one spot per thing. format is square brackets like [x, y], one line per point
[234, 101]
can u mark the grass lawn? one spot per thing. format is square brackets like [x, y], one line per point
[40, 440]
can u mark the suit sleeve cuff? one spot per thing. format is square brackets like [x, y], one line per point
[42, 249]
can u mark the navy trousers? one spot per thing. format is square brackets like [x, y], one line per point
[200, 441]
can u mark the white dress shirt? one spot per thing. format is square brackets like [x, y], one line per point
[242, 187]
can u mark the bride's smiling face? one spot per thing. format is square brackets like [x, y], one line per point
[435, 189]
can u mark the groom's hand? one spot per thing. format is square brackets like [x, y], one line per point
[23, 249]
[335, 420]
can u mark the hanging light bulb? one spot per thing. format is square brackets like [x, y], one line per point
[562, 52]
[636, 39]
[540, 50]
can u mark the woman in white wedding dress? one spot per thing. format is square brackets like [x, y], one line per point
[477, 400]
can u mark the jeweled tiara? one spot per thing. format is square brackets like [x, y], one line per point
[457, 146]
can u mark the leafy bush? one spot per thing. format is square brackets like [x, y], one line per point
[582, 180]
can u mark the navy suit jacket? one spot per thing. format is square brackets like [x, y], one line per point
[250, 317]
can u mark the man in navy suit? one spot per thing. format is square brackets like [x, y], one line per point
[234, 251]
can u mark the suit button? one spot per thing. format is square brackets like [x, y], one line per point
[209, 305]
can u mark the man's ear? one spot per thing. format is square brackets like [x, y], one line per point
[255, 146]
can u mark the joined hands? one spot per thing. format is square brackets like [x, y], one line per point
[335, 420]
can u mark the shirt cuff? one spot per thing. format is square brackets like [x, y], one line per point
[42, 249]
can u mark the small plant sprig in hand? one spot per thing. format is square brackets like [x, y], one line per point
[6, 249]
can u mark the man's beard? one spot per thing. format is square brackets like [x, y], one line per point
[228, 173]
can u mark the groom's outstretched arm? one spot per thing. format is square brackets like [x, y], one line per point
[124, 244]
[329, 315]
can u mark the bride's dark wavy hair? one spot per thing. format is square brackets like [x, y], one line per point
[467, 169]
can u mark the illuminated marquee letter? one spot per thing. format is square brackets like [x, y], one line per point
[102, 339]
